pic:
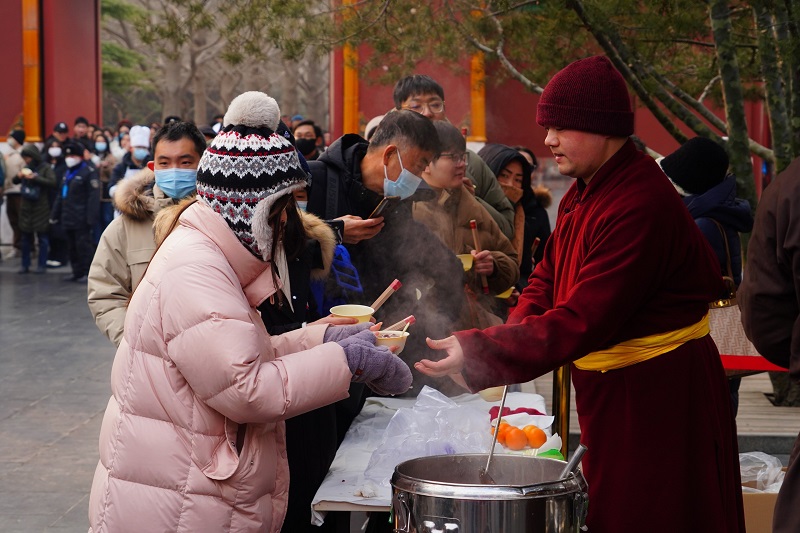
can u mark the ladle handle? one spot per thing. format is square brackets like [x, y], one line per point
[496, 429]
[573, 463]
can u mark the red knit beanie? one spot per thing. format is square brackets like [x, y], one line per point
[587, 95]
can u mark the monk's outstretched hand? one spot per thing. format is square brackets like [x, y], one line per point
[451, 365]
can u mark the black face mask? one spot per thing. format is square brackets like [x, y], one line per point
[306, 146]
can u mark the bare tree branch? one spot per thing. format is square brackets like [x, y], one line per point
[497, 52]
[708, 87]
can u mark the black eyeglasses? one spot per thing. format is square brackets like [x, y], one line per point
[419, 107]
[456, 157]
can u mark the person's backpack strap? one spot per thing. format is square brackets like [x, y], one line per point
[323, 182]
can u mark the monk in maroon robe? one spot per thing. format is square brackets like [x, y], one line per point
[623, 294]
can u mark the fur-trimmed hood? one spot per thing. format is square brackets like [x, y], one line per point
[316, 229]
[138, 197]
[543, 195]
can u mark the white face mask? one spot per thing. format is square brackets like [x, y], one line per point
[73, 161]
[54, 151]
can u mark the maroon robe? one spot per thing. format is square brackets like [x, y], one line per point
[625, 261]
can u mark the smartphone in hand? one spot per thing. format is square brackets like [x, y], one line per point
[386, 203]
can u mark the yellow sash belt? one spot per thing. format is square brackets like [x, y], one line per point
[637, 350]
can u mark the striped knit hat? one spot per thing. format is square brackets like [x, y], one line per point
[247, 167]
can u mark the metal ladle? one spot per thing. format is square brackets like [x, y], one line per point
[484, 473]
[573, 463]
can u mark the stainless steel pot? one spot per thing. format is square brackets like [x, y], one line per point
[444, 494]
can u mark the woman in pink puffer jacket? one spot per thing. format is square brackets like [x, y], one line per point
[193, 436]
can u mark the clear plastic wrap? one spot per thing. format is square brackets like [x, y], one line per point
[436, 425]
[760, 472]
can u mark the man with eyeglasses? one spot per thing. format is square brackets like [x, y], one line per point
[421, 94]
[449, 215]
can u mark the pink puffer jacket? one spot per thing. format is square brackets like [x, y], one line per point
[195, 363]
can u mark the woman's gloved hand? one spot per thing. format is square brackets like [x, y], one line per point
[338, 333]
[377, 366]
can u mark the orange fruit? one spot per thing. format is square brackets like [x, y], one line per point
[503, 427]
[516, 439]
[502, 432]
[536, 437]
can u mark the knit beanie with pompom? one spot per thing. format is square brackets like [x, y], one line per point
[247, 167]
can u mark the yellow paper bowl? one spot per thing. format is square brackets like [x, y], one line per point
[362, 313]
[392, 338]
[505, 294]
[492, 394]
[466, 260]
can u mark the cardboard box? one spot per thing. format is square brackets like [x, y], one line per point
[758, 509]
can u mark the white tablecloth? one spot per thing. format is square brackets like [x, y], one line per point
[346, 475]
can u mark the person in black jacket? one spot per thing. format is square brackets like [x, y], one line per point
[348, 182]
[81, 130]
[37, 179]
[77, 208]
[136, 158]
[53, 154]
[514, 174]
[312, 437]
[699, 172]
[360, 174]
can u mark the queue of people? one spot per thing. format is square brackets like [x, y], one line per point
[231, 241]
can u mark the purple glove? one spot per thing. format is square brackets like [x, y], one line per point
[338, 333]
[377, 366]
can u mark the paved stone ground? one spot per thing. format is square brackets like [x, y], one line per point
[54, 385]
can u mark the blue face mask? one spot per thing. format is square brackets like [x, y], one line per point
[100, 147]
[302, 205]
[140, 154]
[405, 185]
[177, 183]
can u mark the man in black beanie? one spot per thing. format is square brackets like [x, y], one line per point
[622, 295]
[697, 166]
[699, 172]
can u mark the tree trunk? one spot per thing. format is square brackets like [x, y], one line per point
[315, 101]
[288, 99]
[773, 85]
[200, 105]
[227, 92]
[172, 95]
[792, 57]
[733, 94]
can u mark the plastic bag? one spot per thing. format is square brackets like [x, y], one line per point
[436, 425]
[763, 472]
